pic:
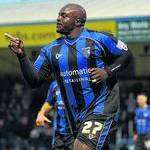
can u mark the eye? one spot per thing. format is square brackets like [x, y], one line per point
[63, 16]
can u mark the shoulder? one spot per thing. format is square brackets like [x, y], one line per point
[101, 35]
[54, 43]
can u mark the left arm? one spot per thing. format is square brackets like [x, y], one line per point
[120, 63]
[115, 51]
[41, 117]
[47, 106]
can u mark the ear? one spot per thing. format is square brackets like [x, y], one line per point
[78, 22]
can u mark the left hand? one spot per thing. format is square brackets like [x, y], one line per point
[98, 75]
[42, 120]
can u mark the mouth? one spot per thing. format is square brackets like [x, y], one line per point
[59, 25]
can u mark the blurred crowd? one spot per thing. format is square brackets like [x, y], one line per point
[18, 109]
[19, 106]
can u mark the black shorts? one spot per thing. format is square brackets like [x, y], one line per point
[63, 142]
[95, 131]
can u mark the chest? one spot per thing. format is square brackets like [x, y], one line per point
[79, 55]
[143, 114]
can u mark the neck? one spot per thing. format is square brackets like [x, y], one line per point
[144, 106]
[75, 32]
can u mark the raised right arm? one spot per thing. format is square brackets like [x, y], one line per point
[33, 74]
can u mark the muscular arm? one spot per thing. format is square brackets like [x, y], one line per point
[115, 56]
[46, 107]
[31, 75]
[120, 63]
[27, 69]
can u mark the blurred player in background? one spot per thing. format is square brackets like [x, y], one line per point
[62, 138]
[85, 64]
[142, 122]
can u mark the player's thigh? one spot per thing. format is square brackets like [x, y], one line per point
[94, 131]
[78, 145]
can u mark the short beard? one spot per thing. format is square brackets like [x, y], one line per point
[62, 32]
[65, 32]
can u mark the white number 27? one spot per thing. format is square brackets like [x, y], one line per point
[86, 129]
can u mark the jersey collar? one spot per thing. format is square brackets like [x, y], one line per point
[74, 40]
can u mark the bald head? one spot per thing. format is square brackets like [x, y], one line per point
[78, 10]
[71, 17]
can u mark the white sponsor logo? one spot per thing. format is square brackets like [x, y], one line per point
[122, 45]
[58, 55]
[76, 80]
[75, 72]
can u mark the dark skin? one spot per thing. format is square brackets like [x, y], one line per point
[70, 22]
